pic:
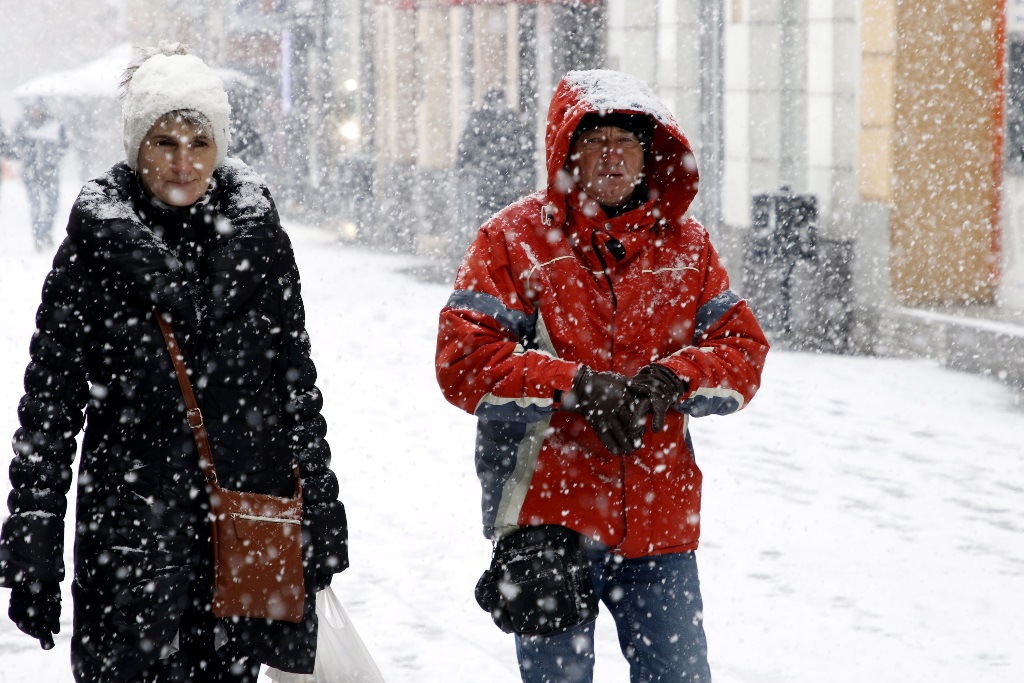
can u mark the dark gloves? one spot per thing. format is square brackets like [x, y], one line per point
[328, 529]
[35, 609]
[609, 404]
[657, 388]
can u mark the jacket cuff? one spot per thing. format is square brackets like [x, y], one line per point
[329, 531]
[685, 371]
[563, 380]
[32, 548]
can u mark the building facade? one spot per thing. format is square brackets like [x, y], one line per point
[891, 114]
[905, 122]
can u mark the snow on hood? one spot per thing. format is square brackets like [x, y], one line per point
[670, 167]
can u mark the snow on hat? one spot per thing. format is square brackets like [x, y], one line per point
[166, 83]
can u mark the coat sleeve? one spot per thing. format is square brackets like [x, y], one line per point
[489, 361]
[324, 515]
[51, 416]
[723, 365]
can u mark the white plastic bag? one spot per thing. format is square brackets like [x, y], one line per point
[341, 656]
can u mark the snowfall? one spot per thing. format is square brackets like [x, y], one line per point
[863, 518]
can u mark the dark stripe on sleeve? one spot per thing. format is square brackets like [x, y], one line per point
[513, 412]
[515, 322]
[700, 406]
[712, 312]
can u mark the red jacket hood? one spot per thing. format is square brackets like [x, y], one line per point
[670, 167]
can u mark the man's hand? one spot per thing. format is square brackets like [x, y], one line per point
[610, 405]
[35, 609]
[657, 388]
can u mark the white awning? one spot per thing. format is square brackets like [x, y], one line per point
[100, 78]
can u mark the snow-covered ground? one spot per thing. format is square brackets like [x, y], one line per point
[863, 521]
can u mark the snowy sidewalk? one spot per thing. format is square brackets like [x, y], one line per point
[863, 520]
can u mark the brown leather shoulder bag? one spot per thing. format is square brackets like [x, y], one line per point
[257, 538]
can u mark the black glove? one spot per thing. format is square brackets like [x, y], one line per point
[657, 388]
[328, 529]
[608, 404]
[35, 609]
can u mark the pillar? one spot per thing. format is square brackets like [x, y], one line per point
[395, 129]
[490, 50]
[433, 194]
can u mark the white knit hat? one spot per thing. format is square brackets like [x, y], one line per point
[166, 83]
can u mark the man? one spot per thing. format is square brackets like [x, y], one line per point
[39, 144]
[588, 324]
[4, 151]
[495, 160]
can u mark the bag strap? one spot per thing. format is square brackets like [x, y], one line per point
[194, 415]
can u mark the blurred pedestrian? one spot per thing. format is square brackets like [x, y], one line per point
[5, 151]
[589, 323]
[495, 158]
[181, 228]
[246, 143]
[39, 144]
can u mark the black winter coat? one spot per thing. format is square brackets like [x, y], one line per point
[225, 271]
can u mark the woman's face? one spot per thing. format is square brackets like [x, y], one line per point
[176, 161]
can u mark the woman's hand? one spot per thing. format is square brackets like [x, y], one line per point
[35, 609]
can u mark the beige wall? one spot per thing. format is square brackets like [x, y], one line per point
[490, 49]
[416, 94]
[396, 86]
[877, 106]
[434, 111]
[945, 153]
[929, 141]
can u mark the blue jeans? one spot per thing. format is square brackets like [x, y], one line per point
[658, 613]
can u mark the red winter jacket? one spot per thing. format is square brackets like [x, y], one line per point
[539, 293]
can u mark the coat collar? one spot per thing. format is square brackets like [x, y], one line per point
[587, 227]
[130, 240]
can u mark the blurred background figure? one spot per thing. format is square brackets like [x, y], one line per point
[39, 144]
[246, 141]
[5, 151]
[495, 160]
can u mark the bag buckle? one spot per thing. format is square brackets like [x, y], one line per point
[195, 418]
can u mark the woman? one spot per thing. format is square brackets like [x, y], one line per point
[180, 228]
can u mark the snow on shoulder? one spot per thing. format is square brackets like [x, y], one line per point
[249, 197]
[104, 198]
[608, 90]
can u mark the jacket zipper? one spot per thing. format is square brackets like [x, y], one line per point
[604, 269]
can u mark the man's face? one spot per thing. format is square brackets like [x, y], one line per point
[176, 161]
[607, 164]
